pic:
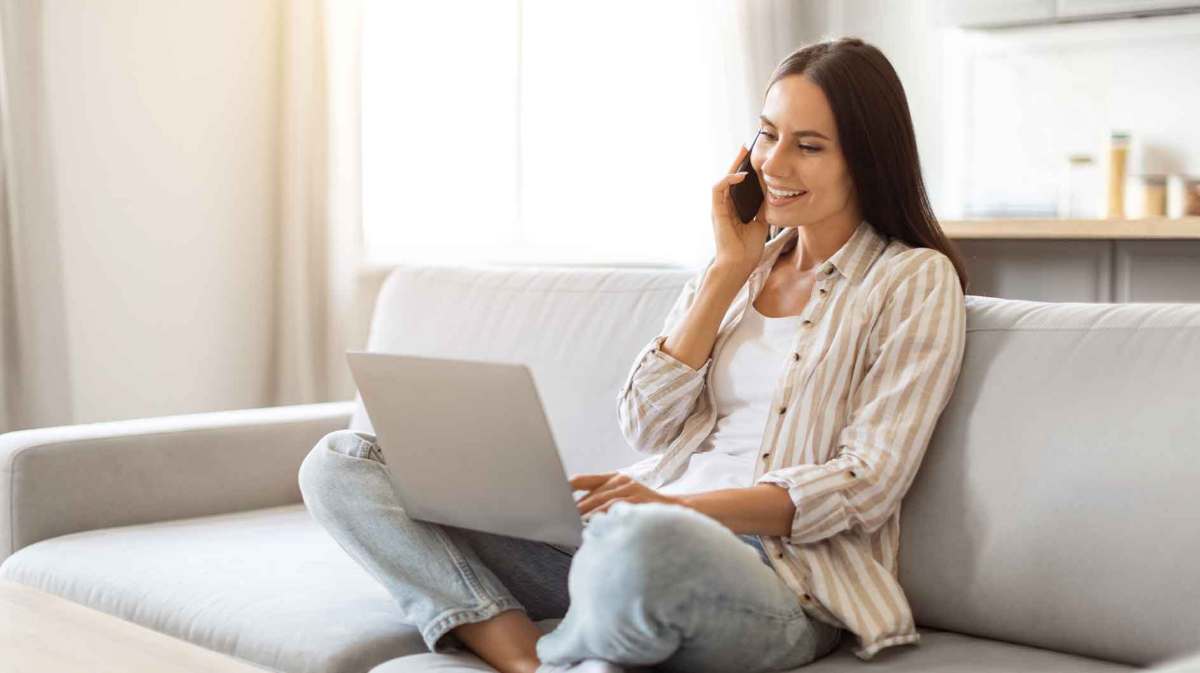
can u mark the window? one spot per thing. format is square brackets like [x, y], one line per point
[536, 131]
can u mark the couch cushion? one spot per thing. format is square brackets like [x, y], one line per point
[578, 330]
[1056, 503]
[938, 651]
[268, 586]
[1189, 663]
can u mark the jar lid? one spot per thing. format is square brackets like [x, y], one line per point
[1080, 159]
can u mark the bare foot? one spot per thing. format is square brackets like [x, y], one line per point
[507, 641]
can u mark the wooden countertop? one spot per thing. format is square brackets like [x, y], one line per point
[1148, 228]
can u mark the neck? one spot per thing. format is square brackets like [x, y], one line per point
[818, 241]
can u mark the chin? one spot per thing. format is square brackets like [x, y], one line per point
[790, 224]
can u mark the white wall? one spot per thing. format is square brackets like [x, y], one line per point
[1031, 97]
[997, 112]
[908, 35]
[162, 125]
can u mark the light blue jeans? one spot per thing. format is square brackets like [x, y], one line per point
[653, 584]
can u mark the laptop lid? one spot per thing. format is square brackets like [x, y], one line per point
[468, 444]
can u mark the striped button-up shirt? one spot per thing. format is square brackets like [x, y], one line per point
[875, 359]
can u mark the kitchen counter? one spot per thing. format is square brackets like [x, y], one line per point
[1139, 229]
[1144, 260]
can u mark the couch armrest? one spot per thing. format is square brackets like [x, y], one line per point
[70, 478]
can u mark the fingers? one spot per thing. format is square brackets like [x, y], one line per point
[587, 482]
[733, 170]
[608, 505]
[718, 195]
[598, 498]
[731, 174]
[742, 151]
[722, 204]
[722, 187]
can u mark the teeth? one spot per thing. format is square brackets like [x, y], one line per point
[782, 195]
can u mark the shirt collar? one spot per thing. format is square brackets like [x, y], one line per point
[851, 260]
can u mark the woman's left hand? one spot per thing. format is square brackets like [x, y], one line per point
[610, 487]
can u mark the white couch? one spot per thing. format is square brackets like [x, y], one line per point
[1054, 524]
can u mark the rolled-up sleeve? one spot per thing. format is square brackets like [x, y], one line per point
[915, 348]
[660, 391]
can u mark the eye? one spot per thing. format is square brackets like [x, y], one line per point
[807, 148]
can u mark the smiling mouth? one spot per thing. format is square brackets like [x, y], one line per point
[777, 201]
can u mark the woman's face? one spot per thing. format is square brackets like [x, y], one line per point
[811, 161]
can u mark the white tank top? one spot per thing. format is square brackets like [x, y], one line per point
[743, 378]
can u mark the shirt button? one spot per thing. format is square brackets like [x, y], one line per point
[807, 322]
[852, 473]
[796, 356]
[781, 410]
[807, 597]
[766, 454]
[822, 290]
[779, 555]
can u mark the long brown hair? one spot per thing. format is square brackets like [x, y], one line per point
[876, 133]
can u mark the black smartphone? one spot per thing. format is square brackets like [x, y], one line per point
[747, 195]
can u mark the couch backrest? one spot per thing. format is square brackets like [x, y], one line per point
[1056, 505]
[577, 329]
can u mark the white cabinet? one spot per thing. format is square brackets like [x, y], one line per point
[1157, 271]
[1039, 270]
[1103, 8]
[1001, 13]
[1084, 270]
[983, 13]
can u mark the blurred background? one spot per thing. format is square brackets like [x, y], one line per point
[202, 198]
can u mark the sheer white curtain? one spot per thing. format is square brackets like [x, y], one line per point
[547, 131]
[311, 264]
[319, 236]
[762, 33]
[34, 377]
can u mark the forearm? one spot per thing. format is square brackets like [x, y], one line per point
[691, 342]
[765, 509]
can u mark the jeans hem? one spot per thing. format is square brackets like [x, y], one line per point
[448, 620]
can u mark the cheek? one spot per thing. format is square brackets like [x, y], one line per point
[829, 178]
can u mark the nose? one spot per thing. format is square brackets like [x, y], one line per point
[770, 159]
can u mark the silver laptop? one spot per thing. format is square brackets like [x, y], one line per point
[467, 444]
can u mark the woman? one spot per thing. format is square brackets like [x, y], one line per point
[733, 546]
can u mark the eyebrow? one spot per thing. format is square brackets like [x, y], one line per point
[797, 134]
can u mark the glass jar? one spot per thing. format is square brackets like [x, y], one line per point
[1154, 195]
[1183, 194]
[1080, 194]
[1191, 196]
[1118, 154]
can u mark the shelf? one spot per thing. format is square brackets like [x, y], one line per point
[1138, 229]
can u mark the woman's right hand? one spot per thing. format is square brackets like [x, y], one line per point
[739, 245]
